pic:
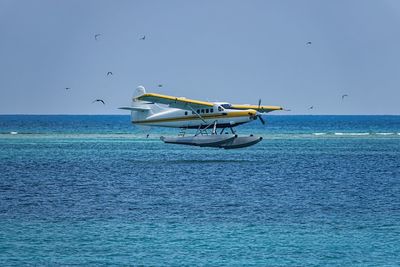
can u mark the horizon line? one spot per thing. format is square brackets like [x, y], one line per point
[83, 114]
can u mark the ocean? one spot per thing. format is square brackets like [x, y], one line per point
[93, 190]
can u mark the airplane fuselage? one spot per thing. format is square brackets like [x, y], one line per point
[178, 118]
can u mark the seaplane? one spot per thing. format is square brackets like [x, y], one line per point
[212, 120]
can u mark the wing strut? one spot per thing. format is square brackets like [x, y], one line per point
[195, 112]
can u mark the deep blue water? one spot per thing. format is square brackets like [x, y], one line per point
[92, 190]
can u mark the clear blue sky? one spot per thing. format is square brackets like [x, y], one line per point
[237, 51]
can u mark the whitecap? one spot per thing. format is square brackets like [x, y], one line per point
[13, 132]
[385, 133]
[358, 133]
[319, 133]
[352, 134]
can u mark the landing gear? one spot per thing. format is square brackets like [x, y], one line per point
[204, 131]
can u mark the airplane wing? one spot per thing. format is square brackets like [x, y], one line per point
[175, 102]
[262, 109]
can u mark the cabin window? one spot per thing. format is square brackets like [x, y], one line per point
[202, 110]
[220, 108]
[186, 113]
[211, 110]
[207, 110]
[198, 111]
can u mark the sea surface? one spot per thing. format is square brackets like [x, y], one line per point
[93, 190]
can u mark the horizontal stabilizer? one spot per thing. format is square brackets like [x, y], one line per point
[135, 108]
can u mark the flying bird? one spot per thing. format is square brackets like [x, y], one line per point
[343, 96]
[309, 43]
[312, 107]
[99, 100]
[67, 88]
[143, 38]
[109, 73]
[96, 36]
[160, 85]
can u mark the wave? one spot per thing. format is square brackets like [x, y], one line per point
[385, 133]
[354, 134]
[357, 134]
[15, 133]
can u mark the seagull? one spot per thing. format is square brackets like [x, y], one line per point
[96, 35]
[67, 88]
[160, 85]
[99, 100]
[109, 73]
[143, 38]
[311, 107]
[343, 96]
[308, 43]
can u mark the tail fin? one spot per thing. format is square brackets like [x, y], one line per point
[139, 91]
[140, 110]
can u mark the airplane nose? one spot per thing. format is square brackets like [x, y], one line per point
[252, 112]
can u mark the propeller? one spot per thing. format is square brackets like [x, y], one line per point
[258, 115]
[261, 118]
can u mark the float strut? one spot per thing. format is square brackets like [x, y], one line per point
[215, 128]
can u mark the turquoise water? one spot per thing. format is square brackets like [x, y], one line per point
[93, 190]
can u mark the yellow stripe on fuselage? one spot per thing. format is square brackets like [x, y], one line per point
[204, 117]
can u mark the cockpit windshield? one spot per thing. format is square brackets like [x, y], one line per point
[226, 106]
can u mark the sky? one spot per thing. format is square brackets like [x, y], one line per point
[217, 50]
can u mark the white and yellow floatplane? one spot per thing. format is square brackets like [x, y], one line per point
[207, 117]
